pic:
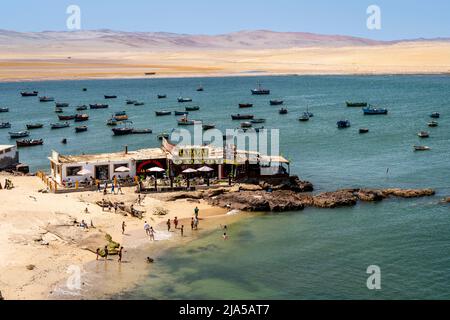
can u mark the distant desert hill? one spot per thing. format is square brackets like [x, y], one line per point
[113, 54]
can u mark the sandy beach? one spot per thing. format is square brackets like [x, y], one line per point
[29, 64]
[41, 246]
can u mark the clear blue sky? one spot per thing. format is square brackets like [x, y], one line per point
[400, 18]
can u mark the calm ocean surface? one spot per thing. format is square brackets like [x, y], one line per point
[314, 254]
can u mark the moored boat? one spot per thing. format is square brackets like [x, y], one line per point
[184, 100]
[122, 131]
[29, 93]
[59, 110]
[163, 135]
[375, 111]
[421, 148]
[32, 126]
[433, 124]
[131, 101]
[20, 134]
[304, 117]
[110, 97]
[356, 104]
[200, 88]
[60, 125]
[342, 124]
[46, 99]
[139, 104]
[162, 96]
[435, 115]
[283, 111]
[120, 116]
[4, 110]
[142, 131]
[81, 117]
[276, 102]
[181, 113]
[66, 118]
[260, 90]
[208, 126]
[112, 122]
[258, 121]
[82, 108]
[81, 129]
[242, 116]
[363, 130]
[246, 125]
[163, 113]
[423, 134]
[186, 122]
[61, 105]
[194, 108]
[98, 106]
[29, 143]
[5, 125]
[245, 105]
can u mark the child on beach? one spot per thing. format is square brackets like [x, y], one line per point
[182, 231]
[98, 253]
[192, 224]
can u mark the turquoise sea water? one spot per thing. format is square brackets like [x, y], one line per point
[312, 254]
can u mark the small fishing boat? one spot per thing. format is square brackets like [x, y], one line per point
[283, 111]
[131, 101]
[84, 89]
[245, 105]
[356, 104]
[32, 126]
[305, 117]
[122, 131]
[423, 134]
[246, 125]
[255, 121]
[5, 125]
[194, 108]
[138, 104]
[185, 122]
[433, 124]
[184, 100]
[46, 99]
[64, 141]
[61, 105]
[20, 134]
[259, 129]
[112, 122]
[66, 118]
[363, 130]
[29, 93]
[120, 116]
[208, 126]
[142, 131]
[276, 102]
[4, 110]
[162, 96]
[242, 117]
[421, 148]
[369, 111]
[110, 97]
[435, 115]
[260, 90]
[342, 124]
[81, 129]
[181, 113]
[81, 117]
[98, 106]
[59, 110]
[29, 143]
[60, 125]
[163, 113]
[200, 89]
[82, 108]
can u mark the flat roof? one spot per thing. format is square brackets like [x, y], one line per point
[5, 146]
[144, 154]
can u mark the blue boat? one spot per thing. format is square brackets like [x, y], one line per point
[342, 124]
[375, 111]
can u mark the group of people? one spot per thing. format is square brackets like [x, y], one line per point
[106, 253]
[116, 187]
[8, 185]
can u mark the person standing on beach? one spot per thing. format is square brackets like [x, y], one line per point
[98, 186]
[98, 253]
[196, 224]
[168, 225]
[112, 189]
[120, 254]
[192, 224]
[115, 208]
[182, 231]
[139, 199]
[175, 222]
[152, 234]
[196, 211]
[123, 227]
[147, 228]
[106, 253]
[119, 188]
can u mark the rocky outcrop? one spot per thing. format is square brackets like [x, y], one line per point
[409, 193]
[342, 198]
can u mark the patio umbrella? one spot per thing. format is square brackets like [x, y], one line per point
[123, 169]
[206, 170]
[156, 170]
[84, 172]
[188, 172]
